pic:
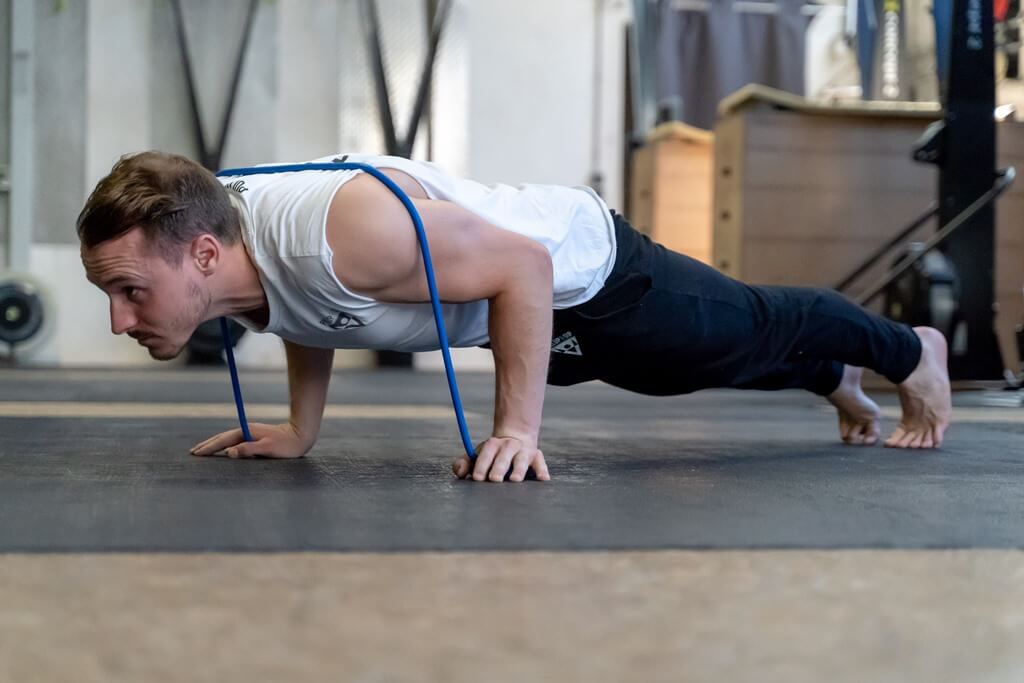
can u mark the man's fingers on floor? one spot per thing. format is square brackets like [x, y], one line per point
[461, 467]
[218, 442]
[250, 449]
[205, 448]
[540, 468]
[199, 446]
[483, 461]
[520, 466]
[504, 459]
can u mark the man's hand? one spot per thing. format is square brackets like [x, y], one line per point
[269, 441]
[494, 456]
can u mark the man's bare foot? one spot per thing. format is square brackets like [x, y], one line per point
[858, 414]
[925, 396]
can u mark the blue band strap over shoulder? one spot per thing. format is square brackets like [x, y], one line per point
[435, 299]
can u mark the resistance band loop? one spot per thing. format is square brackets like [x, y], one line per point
[225, 334]
[435, 300]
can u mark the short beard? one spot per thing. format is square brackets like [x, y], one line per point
[196, 311]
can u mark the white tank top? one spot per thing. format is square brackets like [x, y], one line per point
[284, 216]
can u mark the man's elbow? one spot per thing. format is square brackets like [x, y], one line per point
[520, 267]
[540, 264]
[526, 276]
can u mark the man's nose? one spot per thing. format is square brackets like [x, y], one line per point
[121, 318]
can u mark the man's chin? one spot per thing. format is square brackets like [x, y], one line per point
[164, 352]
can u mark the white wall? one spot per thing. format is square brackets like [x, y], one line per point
[528, 117]
[531, 102]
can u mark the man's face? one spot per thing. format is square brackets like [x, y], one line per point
[150, 301]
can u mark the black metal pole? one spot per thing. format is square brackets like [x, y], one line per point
[211, 158]
[426, 78]
[371, 27]
[967, 170]
[236, 77]
[190, 86]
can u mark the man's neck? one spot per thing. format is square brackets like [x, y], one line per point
[239, 288]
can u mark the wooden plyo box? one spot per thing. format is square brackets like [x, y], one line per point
[804, 193]
[1009, 266]
[672, 189]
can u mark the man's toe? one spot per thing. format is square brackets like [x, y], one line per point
[894, 438]
[907, 439]
[845, 430]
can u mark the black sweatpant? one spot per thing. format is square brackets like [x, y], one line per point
[665, 323]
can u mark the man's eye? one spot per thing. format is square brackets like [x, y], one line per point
[131, 292]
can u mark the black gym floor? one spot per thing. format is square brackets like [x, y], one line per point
[97, 461]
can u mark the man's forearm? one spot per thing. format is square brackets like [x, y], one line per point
[520, 331]
[309, 375]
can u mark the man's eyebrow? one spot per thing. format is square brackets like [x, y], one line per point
[115, 280]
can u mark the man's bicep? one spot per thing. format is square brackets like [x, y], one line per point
[472, 258]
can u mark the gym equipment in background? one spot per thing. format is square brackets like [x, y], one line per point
[963, 147]
[25, 314]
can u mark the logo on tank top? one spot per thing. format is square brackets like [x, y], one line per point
[340, 320]
[567, 344]
[238, 186]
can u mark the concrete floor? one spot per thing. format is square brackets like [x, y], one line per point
[724, 536]
[794, 616]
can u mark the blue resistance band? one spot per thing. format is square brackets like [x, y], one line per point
[435, 300]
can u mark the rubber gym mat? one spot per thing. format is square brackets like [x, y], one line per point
[718, 469]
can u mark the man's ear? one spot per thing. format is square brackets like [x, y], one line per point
[205, 253]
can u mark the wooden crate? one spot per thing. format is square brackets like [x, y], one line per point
[1009, 265]
[803, 192]
[672, 189]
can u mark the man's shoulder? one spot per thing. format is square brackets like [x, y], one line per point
[364, 203]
